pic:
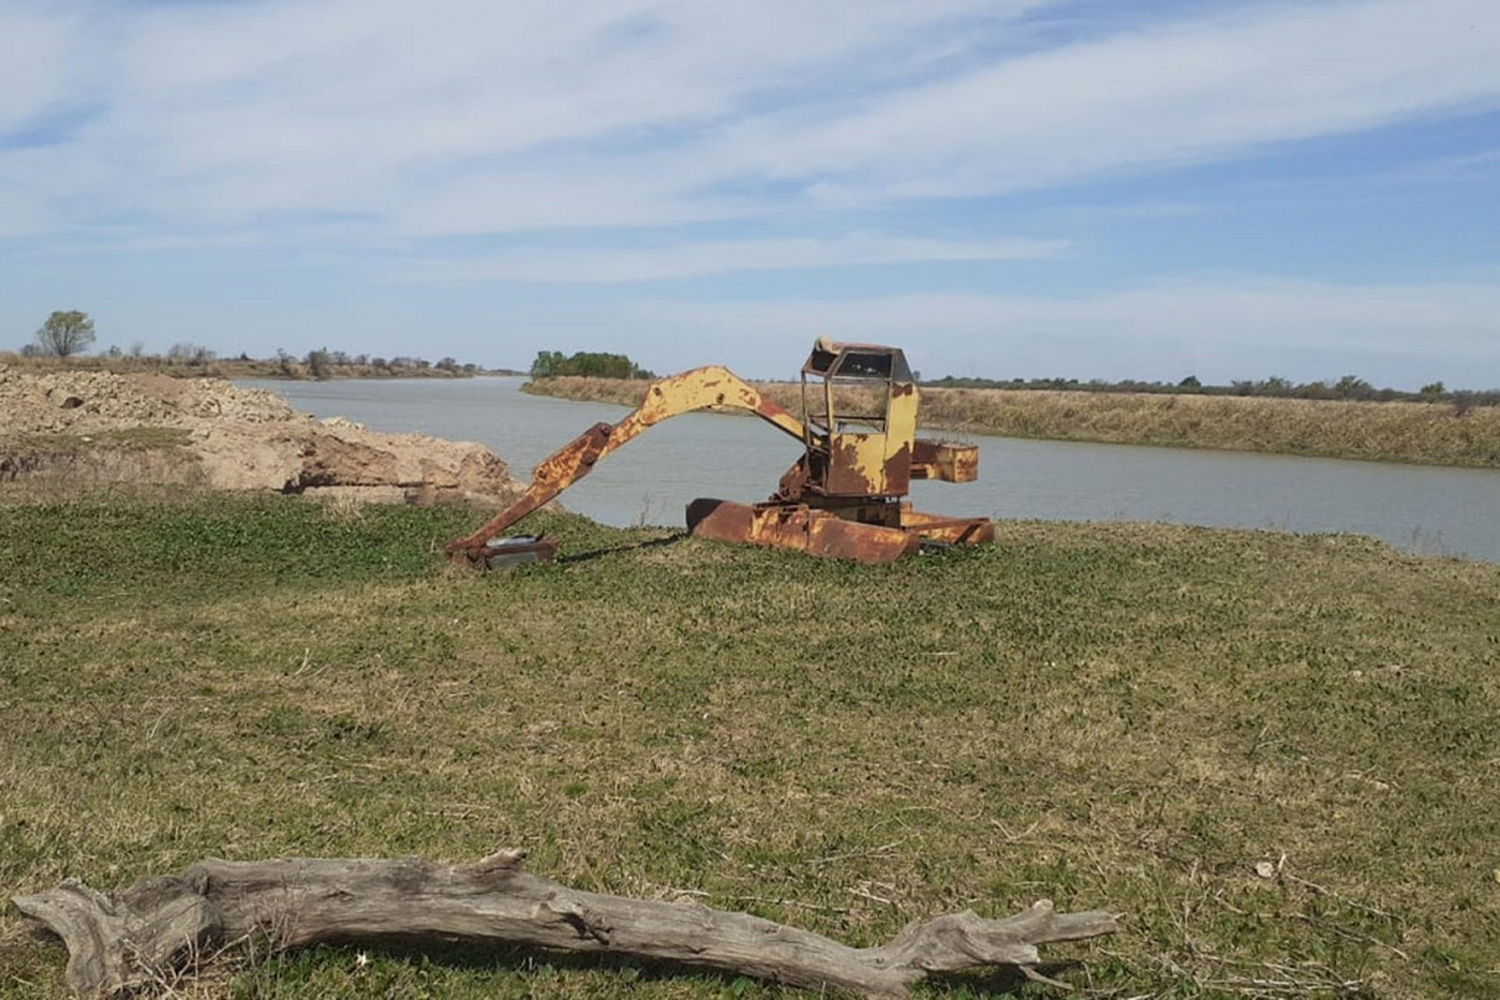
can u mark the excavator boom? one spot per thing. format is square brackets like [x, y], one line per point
[711, 386]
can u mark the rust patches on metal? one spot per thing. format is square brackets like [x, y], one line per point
[847, 473]
[793, 484]
[948, 530]
[897, 473]
[799, 527]
[950, 463]
[552, 475]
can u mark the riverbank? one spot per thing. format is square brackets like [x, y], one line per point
[98, 428]
[1419, 433]
[1275, 754]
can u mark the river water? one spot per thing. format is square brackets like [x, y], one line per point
[1421, 509]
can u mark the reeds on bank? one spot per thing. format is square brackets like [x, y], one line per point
[1424, 433]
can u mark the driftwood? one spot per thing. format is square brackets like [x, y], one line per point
[126, 940]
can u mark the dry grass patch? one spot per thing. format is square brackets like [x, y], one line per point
[121, 455]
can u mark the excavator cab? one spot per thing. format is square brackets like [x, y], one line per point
[843, 498]
[858, 439]
[859, 417]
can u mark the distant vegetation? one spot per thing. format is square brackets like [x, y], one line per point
[1350, 387]
[61, 340]
[189, 359]
[64, 333]
[552, 364]
[1439, 431]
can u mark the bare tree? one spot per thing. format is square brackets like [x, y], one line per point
[319, 362]
[66, 333]
[191, 353]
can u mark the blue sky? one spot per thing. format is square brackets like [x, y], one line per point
[1110, 189]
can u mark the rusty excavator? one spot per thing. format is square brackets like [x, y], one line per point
[844, 498]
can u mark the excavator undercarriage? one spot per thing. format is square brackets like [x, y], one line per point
[844, 498]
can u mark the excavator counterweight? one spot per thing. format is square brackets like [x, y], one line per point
[844, 497]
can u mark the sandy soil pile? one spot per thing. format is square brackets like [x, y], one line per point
[249, 438]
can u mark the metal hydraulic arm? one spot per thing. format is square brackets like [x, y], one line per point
[712, 386]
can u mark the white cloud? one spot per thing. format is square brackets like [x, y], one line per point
[362, 134]
[361, 106]
[37, 46]
[725, 256]
[478, 117]
[1184, 93]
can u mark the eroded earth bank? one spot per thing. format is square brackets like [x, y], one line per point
[96, 427]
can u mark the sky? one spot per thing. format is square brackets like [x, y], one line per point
[1110, 189]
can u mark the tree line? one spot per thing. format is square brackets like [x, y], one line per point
[69, 333]
[1349, 387]
[549, 364]
[322, 362]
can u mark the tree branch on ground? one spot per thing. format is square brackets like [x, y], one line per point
[130, 939]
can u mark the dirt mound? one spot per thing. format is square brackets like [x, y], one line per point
[233, 438]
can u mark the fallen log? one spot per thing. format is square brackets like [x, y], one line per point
[129, 939]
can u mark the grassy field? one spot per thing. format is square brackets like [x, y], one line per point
[1425, 433]
[1122, 717]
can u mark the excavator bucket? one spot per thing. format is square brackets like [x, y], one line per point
[502, 553]
[796, 526]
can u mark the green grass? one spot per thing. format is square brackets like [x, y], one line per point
[1122, 717]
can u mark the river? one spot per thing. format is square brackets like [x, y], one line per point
[1420, 509]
